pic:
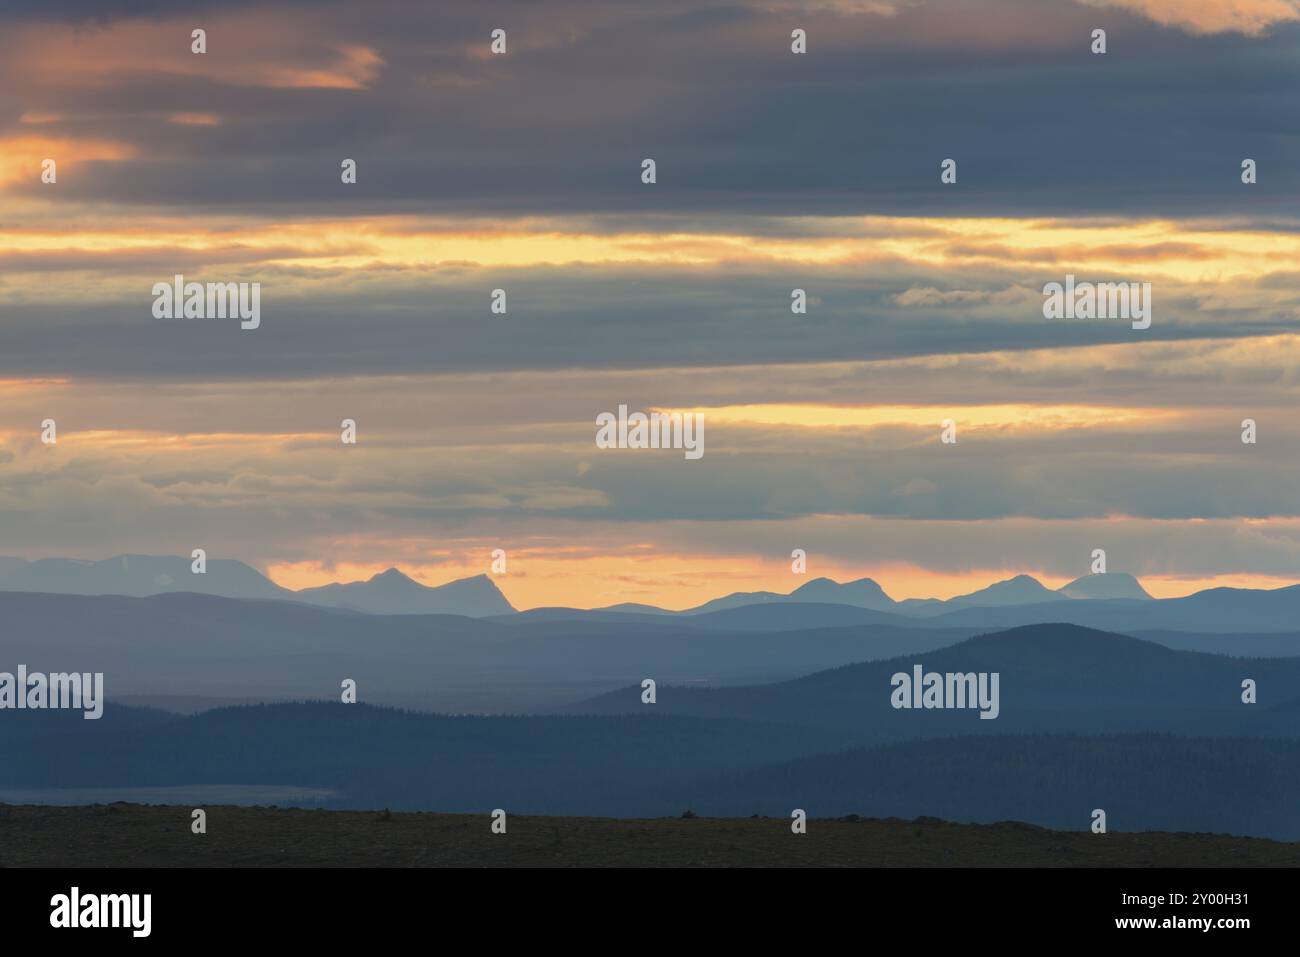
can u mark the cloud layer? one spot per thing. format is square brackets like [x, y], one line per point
[776, 172]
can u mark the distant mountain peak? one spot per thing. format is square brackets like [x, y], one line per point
[1106, 585]
[864, 592]
[1017, 590]
[393, 592]
[138, 576]
[389, 592]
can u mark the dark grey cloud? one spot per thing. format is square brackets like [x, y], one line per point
[107, 11]
[1039, 125]
[566, 317]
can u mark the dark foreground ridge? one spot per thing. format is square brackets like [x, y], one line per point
[122, 835]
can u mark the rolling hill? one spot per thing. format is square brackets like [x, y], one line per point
[196, 646]
[1142, 782]
[1052, 678]
[356, 756]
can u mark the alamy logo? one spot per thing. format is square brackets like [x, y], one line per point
[134, 911]
[179, 299]
[1101, 300]
[658, 430]
[37, 691]
[930, 689]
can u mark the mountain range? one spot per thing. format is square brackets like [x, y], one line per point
[360, 756]
[1158, 738]
[193, 652]
[1111, 601]
[867, 593]
[188, 651]
[387, 593]
[757, 710]
[1053, 678]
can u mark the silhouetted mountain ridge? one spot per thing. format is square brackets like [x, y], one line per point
[1111, 601]
[392, 593]
[387, 593]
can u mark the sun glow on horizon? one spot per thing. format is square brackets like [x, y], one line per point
[679, 582]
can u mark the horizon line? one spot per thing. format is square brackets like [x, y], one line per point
[979, 581]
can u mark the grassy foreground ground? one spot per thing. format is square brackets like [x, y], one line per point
[159, 836]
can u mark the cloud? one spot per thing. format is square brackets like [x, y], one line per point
[1250, 17]
[194, 119]
[738, 124]
[263, 49]
[378, 296]
[24, 153]
[819, 172]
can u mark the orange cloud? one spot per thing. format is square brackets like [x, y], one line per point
[1178, 252]
[194, 119]
[1018, 416]
[1251, 17]
[350, 68]
[21, 155]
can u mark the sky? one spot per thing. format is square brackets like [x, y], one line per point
[774, 171]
